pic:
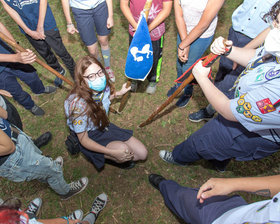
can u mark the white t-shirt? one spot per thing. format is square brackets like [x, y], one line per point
[192, 12]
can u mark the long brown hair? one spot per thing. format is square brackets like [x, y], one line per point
[273, 13]
[93, 110]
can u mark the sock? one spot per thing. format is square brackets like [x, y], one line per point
[106, 56]
[90, 218]
[210, 109]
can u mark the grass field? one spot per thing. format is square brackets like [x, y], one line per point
[131, 198]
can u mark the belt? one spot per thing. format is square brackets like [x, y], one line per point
[14, 134]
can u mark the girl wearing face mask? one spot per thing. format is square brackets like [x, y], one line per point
[86, 108]
[248, 124]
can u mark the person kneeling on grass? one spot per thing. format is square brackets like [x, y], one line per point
[247, 127]
[21, 160]
[86, 108]
[10, 213]
[210, 203]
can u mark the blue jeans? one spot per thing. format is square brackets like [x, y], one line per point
[27, 164]
[8, 82]
[197, 49]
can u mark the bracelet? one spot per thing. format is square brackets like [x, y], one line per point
[66, 218]
[69, 24]
[228, 52]
[180, 48]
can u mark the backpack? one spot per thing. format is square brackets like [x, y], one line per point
[72, 143]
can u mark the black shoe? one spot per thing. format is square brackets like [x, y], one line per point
[43, 139]
[126, 165]
[172, 90]
[201, 115]
[183, 101]
[155, 180]
[37, 111]
[134, 86]
[220, 165]
[49, 89]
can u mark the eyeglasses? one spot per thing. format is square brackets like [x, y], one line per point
[93, 76]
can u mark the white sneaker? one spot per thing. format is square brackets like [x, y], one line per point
[78, 214]
[98, 204]
[34, 207]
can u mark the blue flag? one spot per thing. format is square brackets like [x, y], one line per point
[139, 59]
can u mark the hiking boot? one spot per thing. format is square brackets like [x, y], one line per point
[151, 89]
[172, 90]
[43, 139]
[134, 86]
[110, 74]
[49, 89]
[155, 180]
[168, 157]
[183, 101]
[77, 214]
[58, 82]
[98, 204]
[201, 115]
[37, 111]
[34, 207]
[59, 161]
[75, 188]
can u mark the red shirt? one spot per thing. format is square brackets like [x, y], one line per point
[136, 6]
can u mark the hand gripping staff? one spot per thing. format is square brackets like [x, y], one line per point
[186, 78]
[125, 97]
[40, 62]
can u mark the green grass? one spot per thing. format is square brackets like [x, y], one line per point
[131, 198]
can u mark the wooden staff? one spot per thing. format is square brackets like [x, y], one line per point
[40, 62]
[209, 60]
[124, 99]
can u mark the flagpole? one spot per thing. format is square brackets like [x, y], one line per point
[125, 97]
[209, 60]
[40, 62]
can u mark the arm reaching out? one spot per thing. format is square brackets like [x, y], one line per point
[266, 186]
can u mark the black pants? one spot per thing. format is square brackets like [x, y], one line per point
[53, 41]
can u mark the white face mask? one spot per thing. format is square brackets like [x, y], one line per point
[272, 42]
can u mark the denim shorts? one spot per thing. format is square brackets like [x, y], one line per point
[90, 21]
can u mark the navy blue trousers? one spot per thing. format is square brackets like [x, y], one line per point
[220, 139]
[183, 203]
[27, 74]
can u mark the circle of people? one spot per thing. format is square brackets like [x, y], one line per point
[245, 95]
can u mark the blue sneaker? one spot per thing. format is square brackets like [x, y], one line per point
[201, 115]
[183, 100]
[58, 82]
[172, 90]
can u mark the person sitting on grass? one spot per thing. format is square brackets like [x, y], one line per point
[10, 213]
[247, 127]
[14, 118]
[86, 109]
[210, 203]
[21, 160]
